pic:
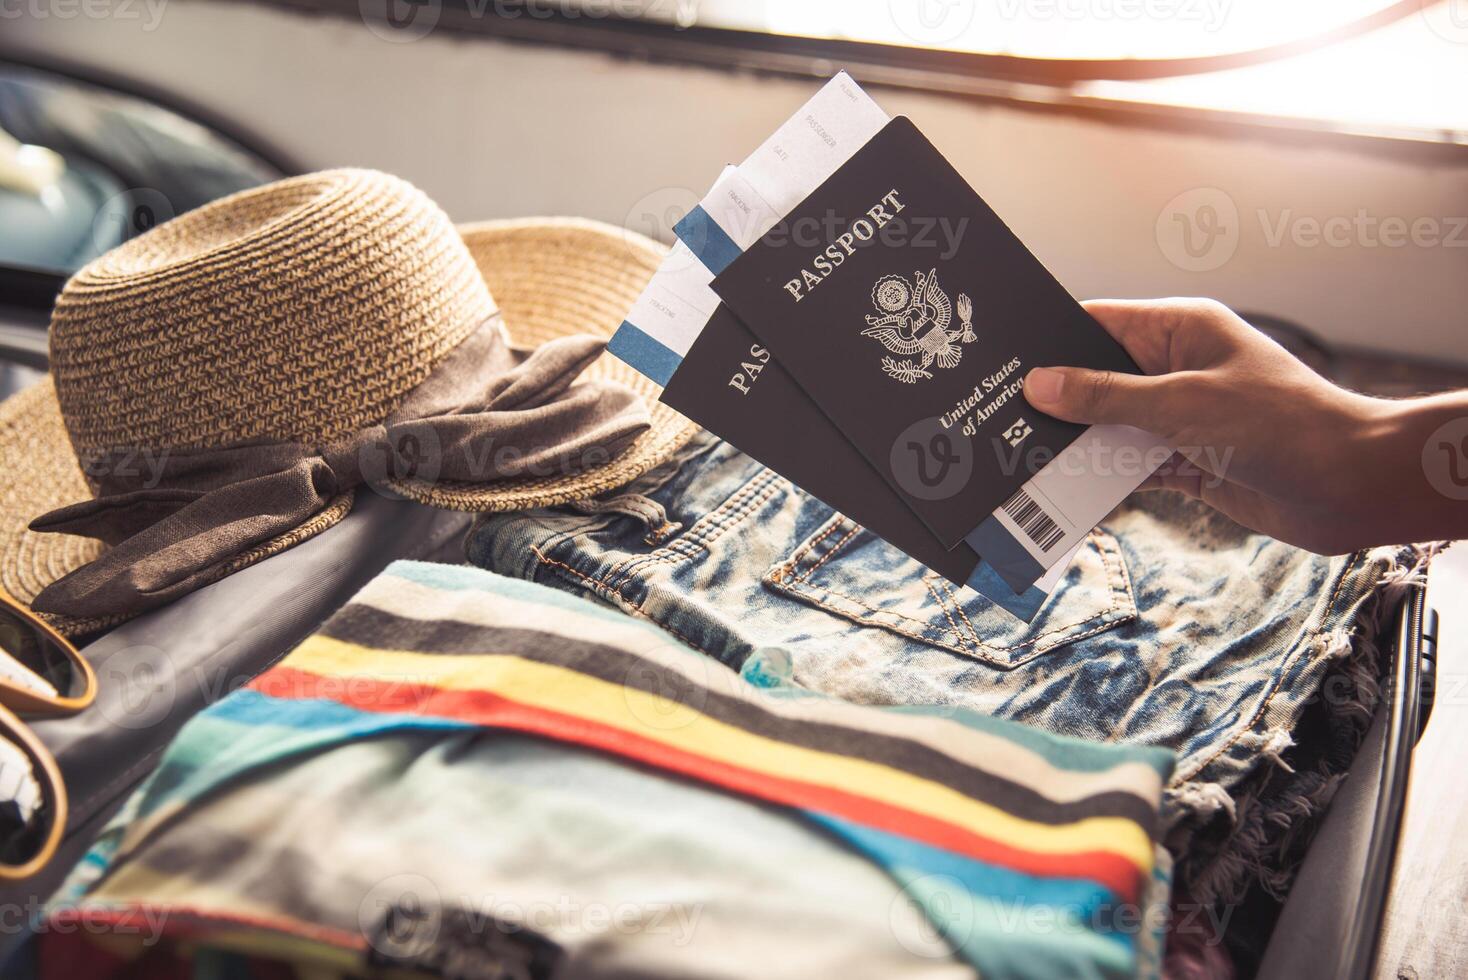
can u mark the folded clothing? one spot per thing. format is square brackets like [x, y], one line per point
[1173, 627]
[461, 768]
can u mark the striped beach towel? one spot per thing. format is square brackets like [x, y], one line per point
[1028, 853]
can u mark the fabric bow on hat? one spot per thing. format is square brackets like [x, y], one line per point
[270, 353]
[467, 422]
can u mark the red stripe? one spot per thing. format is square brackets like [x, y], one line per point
[485, 708]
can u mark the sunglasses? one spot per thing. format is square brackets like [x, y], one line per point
[42, 675]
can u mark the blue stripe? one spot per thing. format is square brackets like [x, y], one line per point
[644, 354]
[705, 239]
[1082, 897]
[1010, 560]
[250, 729]
[323, 716]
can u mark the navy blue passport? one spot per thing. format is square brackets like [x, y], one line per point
[731, 385]
[901, 304]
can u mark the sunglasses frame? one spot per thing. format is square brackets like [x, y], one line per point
[53, 792]
[15, 700]
[27, 702]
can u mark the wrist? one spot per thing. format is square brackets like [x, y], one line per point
[1409, 471]
[1373, 431]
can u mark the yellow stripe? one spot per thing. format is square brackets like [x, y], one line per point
[680, 726]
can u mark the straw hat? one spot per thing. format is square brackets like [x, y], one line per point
[303, 311]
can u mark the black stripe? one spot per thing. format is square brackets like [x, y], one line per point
[372, 627]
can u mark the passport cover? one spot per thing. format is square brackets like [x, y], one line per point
[908, 311]
[731, 385]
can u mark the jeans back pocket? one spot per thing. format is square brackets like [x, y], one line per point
[850, 572]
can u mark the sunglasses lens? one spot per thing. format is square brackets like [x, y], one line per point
[25, 810]
[33, 660]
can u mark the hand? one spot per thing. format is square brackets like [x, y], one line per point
[1259, 435]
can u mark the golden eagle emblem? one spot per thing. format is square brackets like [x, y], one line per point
[913, 321]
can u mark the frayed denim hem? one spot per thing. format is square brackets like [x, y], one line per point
[1270, 818]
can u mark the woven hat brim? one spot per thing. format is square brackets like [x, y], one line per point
[554, 277]
[550, 277]
[42, 474]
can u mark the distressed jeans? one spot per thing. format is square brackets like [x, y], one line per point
[1173, 627]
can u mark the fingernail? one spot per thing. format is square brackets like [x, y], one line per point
[1043, 385]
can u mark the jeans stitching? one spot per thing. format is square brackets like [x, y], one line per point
[1105, 625]
[717, 522]
[685, 547]
[801, 584]
[800, 553]
[701, 537]
[592, 582]
[835, 548]
[1118, 577]
[953, 596]
[597, 585]
[703, 532]
[928, 581]
[883, 612]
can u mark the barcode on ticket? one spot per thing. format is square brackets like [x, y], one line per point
[1031, 518]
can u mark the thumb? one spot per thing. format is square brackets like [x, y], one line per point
[1081, 395]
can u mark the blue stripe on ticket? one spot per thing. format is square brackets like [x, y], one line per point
[987, 582]
[705, 239]
[1010, 560]
[647, 356]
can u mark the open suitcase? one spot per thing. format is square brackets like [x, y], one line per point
[1330, 925]
[1333, 920]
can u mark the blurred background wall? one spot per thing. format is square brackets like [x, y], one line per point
[492, 128]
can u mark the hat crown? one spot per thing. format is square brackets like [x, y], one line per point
[301, 311]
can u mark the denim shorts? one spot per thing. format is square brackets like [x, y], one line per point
[1173, 627]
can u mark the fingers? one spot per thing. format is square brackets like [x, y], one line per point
[1168, 338]
[1091, 397]
[1137, 325]
[1149, 329]
[1187, 483]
